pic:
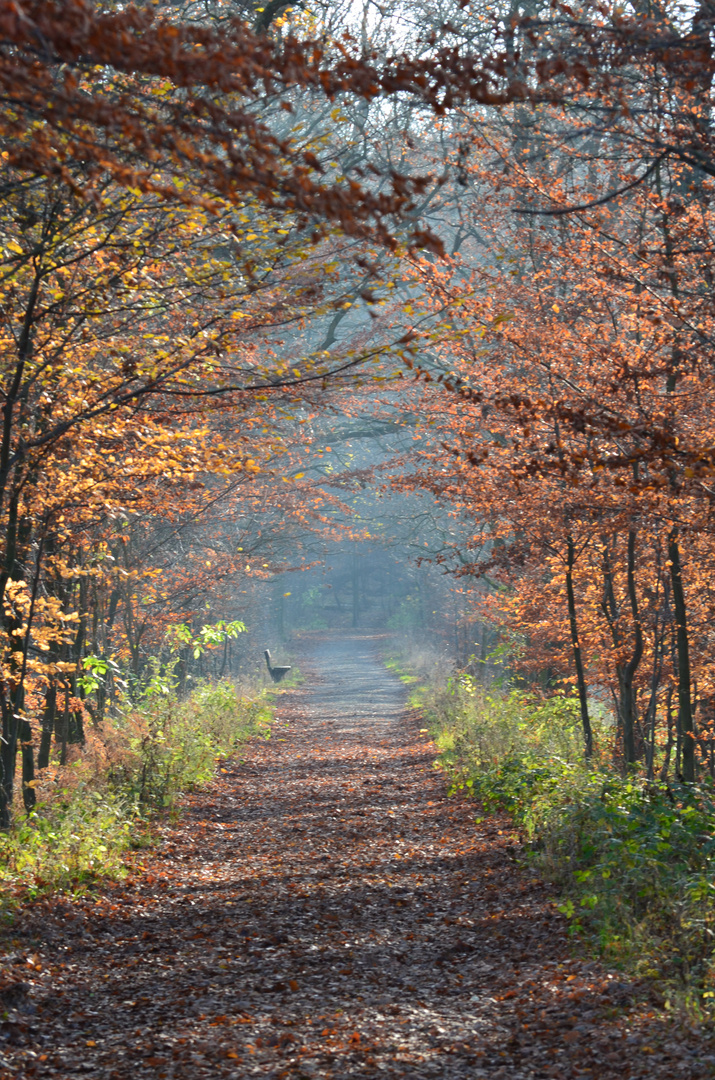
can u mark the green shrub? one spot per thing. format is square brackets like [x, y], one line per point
[633, 859]
[78, 837]
[93, 810]
[176, 743]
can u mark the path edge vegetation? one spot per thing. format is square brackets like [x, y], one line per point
[631, 860]
[95, 813]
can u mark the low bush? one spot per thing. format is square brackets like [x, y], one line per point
[67, 842]
[173, 744]
[634, 860]
[92, 810]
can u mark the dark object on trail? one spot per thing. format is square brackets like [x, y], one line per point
[277, 673]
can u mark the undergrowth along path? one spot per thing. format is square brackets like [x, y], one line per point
[324, 910]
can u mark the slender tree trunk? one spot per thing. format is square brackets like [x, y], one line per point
[76, 728]
[576, 645]
[628, 695]
[29, 797]
[15, 727]
[685, 757]
[48, 726]
[8, 754]
[13, 393]
[10, 692]
[669, 743]
[62, 726]
[11, 703]
[610, 610]
[652, 711]
[686, 726]
[75, 719]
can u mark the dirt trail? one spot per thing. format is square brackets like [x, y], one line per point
[323, 910]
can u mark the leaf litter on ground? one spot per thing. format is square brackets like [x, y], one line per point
[321, 910]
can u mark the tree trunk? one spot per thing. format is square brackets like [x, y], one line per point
[669, 744]
[652, 710]
[8, 755]
[29, 797]
[62, 727]
[628, 702]
[686, 727]
[578, 659]
[48, 726]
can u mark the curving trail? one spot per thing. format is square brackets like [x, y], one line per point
[323, 910]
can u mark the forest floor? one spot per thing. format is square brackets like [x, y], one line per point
[324, 910]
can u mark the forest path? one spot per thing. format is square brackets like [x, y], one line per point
[324, 910]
